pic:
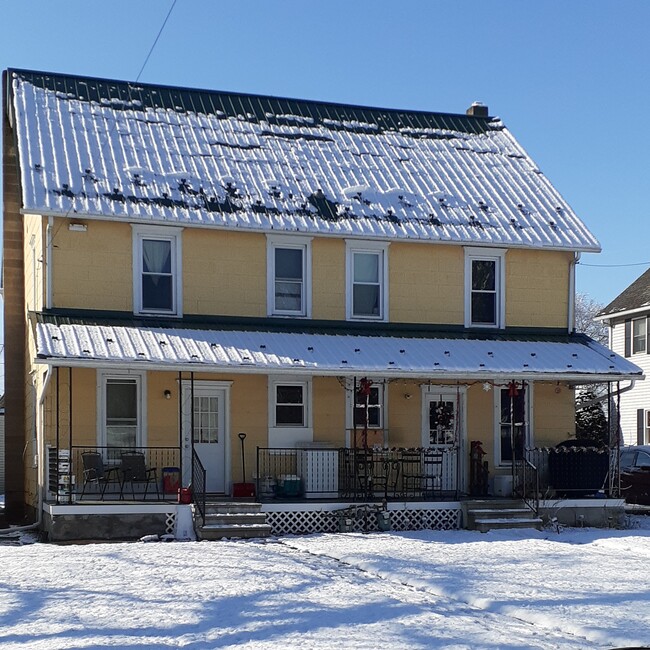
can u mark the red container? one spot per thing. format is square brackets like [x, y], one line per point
[246, 490]
[171, 480]
[184, 495]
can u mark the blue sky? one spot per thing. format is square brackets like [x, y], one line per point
[568, 78]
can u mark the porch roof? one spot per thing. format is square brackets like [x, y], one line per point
[441, 356]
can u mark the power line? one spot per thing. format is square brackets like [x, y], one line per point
[114, 125]
[160, 31]
[616, 265]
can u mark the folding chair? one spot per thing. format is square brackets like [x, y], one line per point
[95, 472]
[134, 470]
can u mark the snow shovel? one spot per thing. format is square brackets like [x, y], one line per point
[243, 490]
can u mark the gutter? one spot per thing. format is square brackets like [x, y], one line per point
[439, 374]
[571, 315]
[616, 393]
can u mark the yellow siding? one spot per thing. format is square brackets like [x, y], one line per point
[224, 273]
[34, 240]
[404, 415]
[537, 288]
[328, 279]
[554, 415]
[426, 283]
[93, 269]
[329, 404]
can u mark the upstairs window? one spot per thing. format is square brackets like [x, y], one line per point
[289, 276]
[639, 335]
[484, 288]
[157, 264]
[367, 273]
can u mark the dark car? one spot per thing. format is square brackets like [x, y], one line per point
[635, 474]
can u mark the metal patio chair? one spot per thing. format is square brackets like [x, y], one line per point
[135, 471]
[422, 474]
[95, 472]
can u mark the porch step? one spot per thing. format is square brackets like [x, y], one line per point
[493, 514]
[228, 519]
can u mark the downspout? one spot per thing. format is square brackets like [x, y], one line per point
[571, 320]
[40, 445]
[48, 263]
[609, 394]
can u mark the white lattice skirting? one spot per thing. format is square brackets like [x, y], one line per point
[302, 522]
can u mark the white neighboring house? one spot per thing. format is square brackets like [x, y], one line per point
[628, 318]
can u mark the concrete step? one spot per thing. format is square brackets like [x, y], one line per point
[235, 518]
[493, 504]
[232, 506]
[483, 525]
[232, 519]
[503, 513]
[240, 531]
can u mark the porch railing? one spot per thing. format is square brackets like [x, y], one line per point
[569, 472]
[526, 483]
[355, 474]
[198, 485]
[90, 473]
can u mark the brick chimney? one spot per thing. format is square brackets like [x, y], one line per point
[477, 110]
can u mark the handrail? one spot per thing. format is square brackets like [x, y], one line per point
[528, 483]
[198, 485]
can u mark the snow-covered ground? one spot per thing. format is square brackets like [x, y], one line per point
[579, 588]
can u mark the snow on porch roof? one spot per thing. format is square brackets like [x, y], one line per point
[576, 358]
[111, 149]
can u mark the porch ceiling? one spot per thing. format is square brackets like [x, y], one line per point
[570, 358]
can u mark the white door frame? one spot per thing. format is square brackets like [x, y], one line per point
[186, 433]
[453, 393]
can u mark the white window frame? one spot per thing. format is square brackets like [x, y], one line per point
[290, 436]
[382, 385]
[299, 243]
[528, 406]
[161, 233]
[644, 321]
[496, 255]
[141, 384]
[368, 247]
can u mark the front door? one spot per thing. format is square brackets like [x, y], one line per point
[442, 429]
[208, 423]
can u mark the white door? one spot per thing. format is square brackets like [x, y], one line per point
[207, 420]
[442, 428]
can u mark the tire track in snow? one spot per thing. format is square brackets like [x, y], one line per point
[479, 606]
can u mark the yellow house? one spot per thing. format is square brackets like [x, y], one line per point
[380, 300]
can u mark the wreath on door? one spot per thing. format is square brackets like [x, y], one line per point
[443, 416]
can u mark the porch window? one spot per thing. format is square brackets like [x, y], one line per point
[512, 405]
[290, 405]
[289, 276]
[375, 408]
[442, 422]
[206, 419]
[367, 272]
[484, 288]
[156, 263]
[121, 424]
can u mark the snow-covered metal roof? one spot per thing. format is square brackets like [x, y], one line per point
[570, 358]
[134, 152]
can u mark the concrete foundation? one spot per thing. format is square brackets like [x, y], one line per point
[595, 513]
[79, 525]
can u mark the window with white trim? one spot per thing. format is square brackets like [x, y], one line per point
[120, 410]
[639, 335]
[484, 288]
[512, 405]
[367, 280]
[374, 410]
[290, 413]
[157, 284]
[289, 276]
